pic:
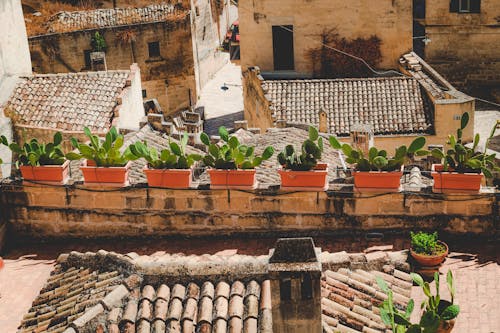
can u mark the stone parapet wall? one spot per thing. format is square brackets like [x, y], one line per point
[61, 212]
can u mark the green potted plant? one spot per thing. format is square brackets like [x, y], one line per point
[169, 168]
[232, 164]
[104, 162]
[377, 170]
[462, 167]
[301, 169]
[438, 316]
[43, 162]
[427, 250]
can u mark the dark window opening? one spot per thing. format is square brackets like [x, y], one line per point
[465, 6]
[419, 9]
[144, 93]
[86, 55]
[286, 289]
[204, 32]
[154, 49]
[306, 287]
[283, 48]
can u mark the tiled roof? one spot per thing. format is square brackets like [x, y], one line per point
[351, 299]
[395, 105]
[208, 293]
[68, 102]
[103, 18]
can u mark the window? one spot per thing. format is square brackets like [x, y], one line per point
[286, 289]
[144, 93]
[86, 55]
[154, 49]
[465, 6]
[306, 287]
[283, 48]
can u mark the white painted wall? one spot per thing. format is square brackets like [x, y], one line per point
[14, 61]
[132, 110]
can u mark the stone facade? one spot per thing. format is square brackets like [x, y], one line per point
[461, 46]
[183, 60]
[72, 211]
[391, 21]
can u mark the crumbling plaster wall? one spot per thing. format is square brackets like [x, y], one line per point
[391, 21]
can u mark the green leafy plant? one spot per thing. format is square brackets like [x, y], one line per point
[105, 153]
[34, 153]
[173, 158]
[377, 160]
[98, 42]
[232, 154]
[307, 158]
[436, 310]
[461, 158]
[425, 243]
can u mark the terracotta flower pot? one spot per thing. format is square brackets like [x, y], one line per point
[116, 176]
[450, 180]
[232, 178]
[169, 178]
[1, 263]
[46, 173]
[378, 179]
[316, 178]
[429, 260]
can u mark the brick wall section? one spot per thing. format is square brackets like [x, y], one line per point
[41, 211]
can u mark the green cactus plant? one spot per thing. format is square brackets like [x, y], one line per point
[461, 158]
[436, 310]
[105, 153]
[377, 160]
[173, 158]
[232, 155]
[34, 153]
[307, 159]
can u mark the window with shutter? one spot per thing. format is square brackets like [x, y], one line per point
[454, 6]
[475, 6]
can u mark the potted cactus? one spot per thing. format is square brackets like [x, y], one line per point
[104, 162]
[43, 162]
[169, 168]
[462, 167]
[232, 164]
[377, 170]
[301, 169]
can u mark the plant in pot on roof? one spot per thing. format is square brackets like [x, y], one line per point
[104, 162]
[427, 250]
[232, 164]
[377, 170]
[300, 169]
[44, 162]
[438, 314]
[462, 167]
[169, 168]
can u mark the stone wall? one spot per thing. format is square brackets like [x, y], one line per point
[76, 211]
[461, 46]
[391, 21]
[60, 53]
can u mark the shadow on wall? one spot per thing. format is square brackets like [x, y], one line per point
[212, 125]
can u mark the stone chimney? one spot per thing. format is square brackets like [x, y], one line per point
[323, 121]
[362, 137]
[295, 274]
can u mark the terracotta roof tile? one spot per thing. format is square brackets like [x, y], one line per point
[395, 105]
[106, 18]
[68, 101]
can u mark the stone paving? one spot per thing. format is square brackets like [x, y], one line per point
[223, 107]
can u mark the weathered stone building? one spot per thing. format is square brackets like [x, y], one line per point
[464, 38]
[276, 35]
[175, 45]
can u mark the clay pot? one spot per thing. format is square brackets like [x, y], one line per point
[430, 261]
[46, 173]
[116, 176]
[454, 180]
[316, 178]
[169, 178]
[232, 178]
[378, 179]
